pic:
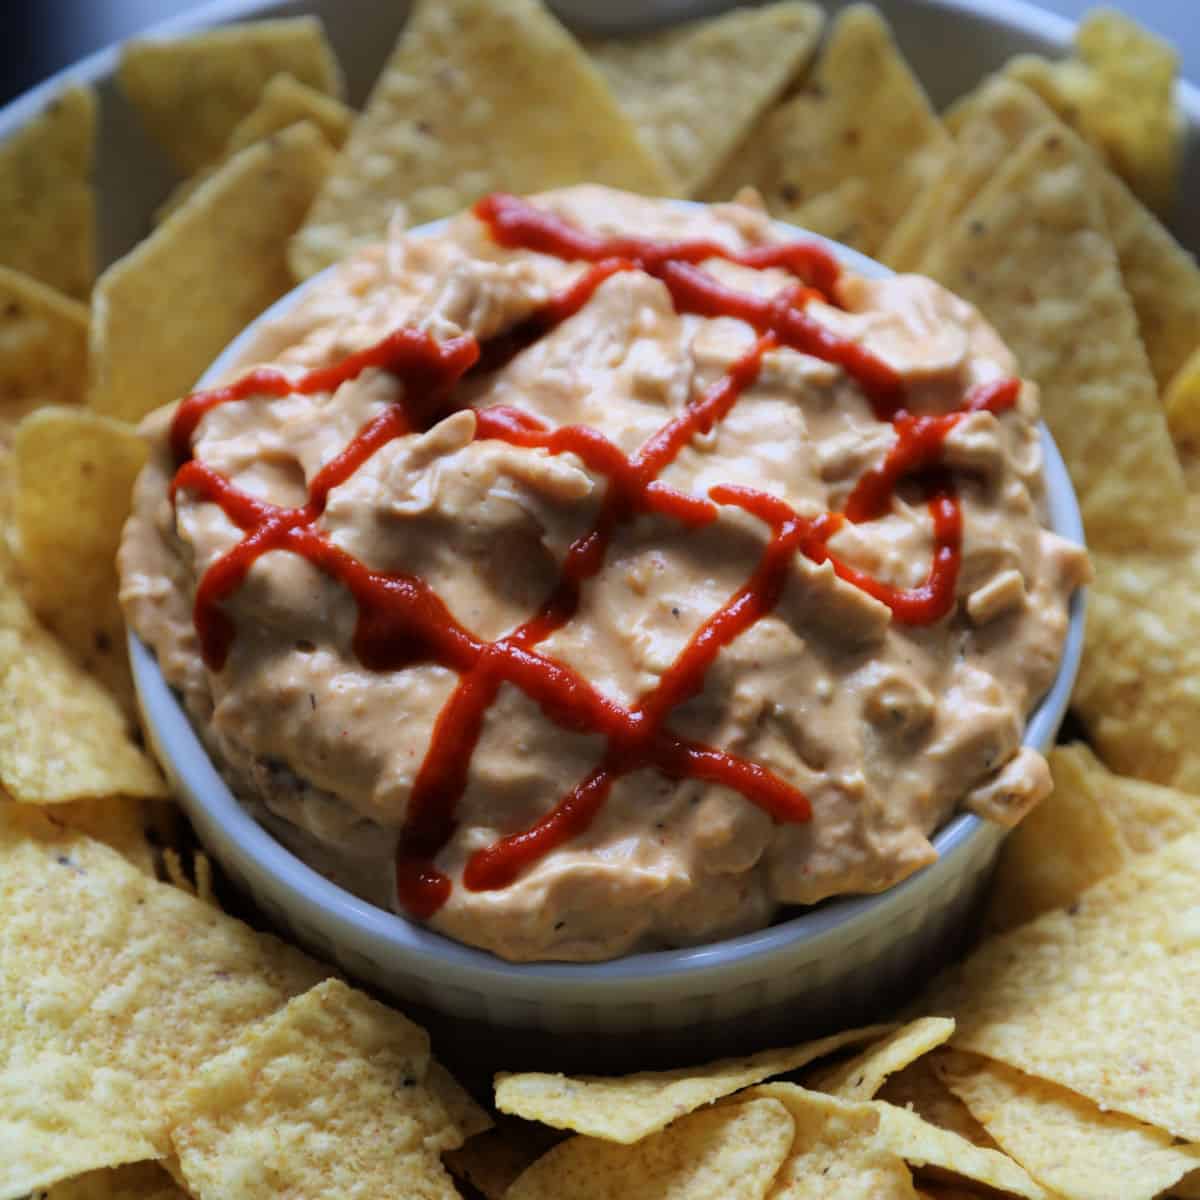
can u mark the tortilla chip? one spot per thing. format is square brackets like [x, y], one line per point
[1137, 690]
[1147, 814]
[838, 214]
[191, 92]
[324, 1098]
[1133, 115]
[923, 1145]
[920, 1089]
[205, 273]
[727, 1153]
[115, 989]
[1161, 277]
[1119, 94]
[284, 101]
[696, 90]
[117, 821]
[62, 736]
[861, 1077]
[1031, 251]
[862, 117]
[490, 1162]
[47, 204]
[990, 123]
[43, 348]
[1066, 86]
[1065, 1141]
[628, 1108]
[445, 124]
[1131, 945]
[75, 475]
[138, 1181]
[1067, 843]
[836, 1153]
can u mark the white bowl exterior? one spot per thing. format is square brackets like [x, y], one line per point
[826, 967]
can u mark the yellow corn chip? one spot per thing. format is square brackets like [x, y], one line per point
[138, 1181]
[1161, 277]
[204, 273]
[324, 1098]
[1103, 997]
[1147, 814]
[75, 474]
[1119, 94]
[284, 101]
[117, 821]
[626, 1109]
[62, 736]
[863, 117]
[115, 989]
[491, 1161]
[923, 1145]
[920, 1089]
[1133, 114]
[1067, 843]
[727, 1153]
[836, 1153]
[861, 1077]
[1137, 689]
[694, 91]
[43, 348]
[1030, 250]
[191, 92]
[478, 95]
[838, 214]
[47, 205]
[1065, 1141]
[992, 121]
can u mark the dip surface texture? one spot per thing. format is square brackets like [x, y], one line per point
[751, 703]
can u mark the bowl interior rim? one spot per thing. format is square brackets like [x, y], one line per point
[326, 902]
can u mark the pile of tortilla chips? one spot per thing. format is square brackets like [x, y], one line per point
[153, 1046]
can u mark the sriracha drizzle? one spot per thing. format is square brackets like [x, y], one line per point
[402, 622]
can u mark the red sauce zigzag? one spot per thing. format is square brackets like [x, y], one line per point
[402, 622]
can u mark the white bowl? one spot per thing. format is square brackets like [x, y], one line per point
[832, 964]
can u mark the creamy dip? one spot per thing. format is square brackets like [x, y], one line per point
[822, 741]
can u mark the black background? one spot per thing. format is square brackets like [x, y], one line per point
[39, 37]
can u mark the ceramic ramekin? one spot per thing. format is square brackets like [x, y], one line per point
[843, 961]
